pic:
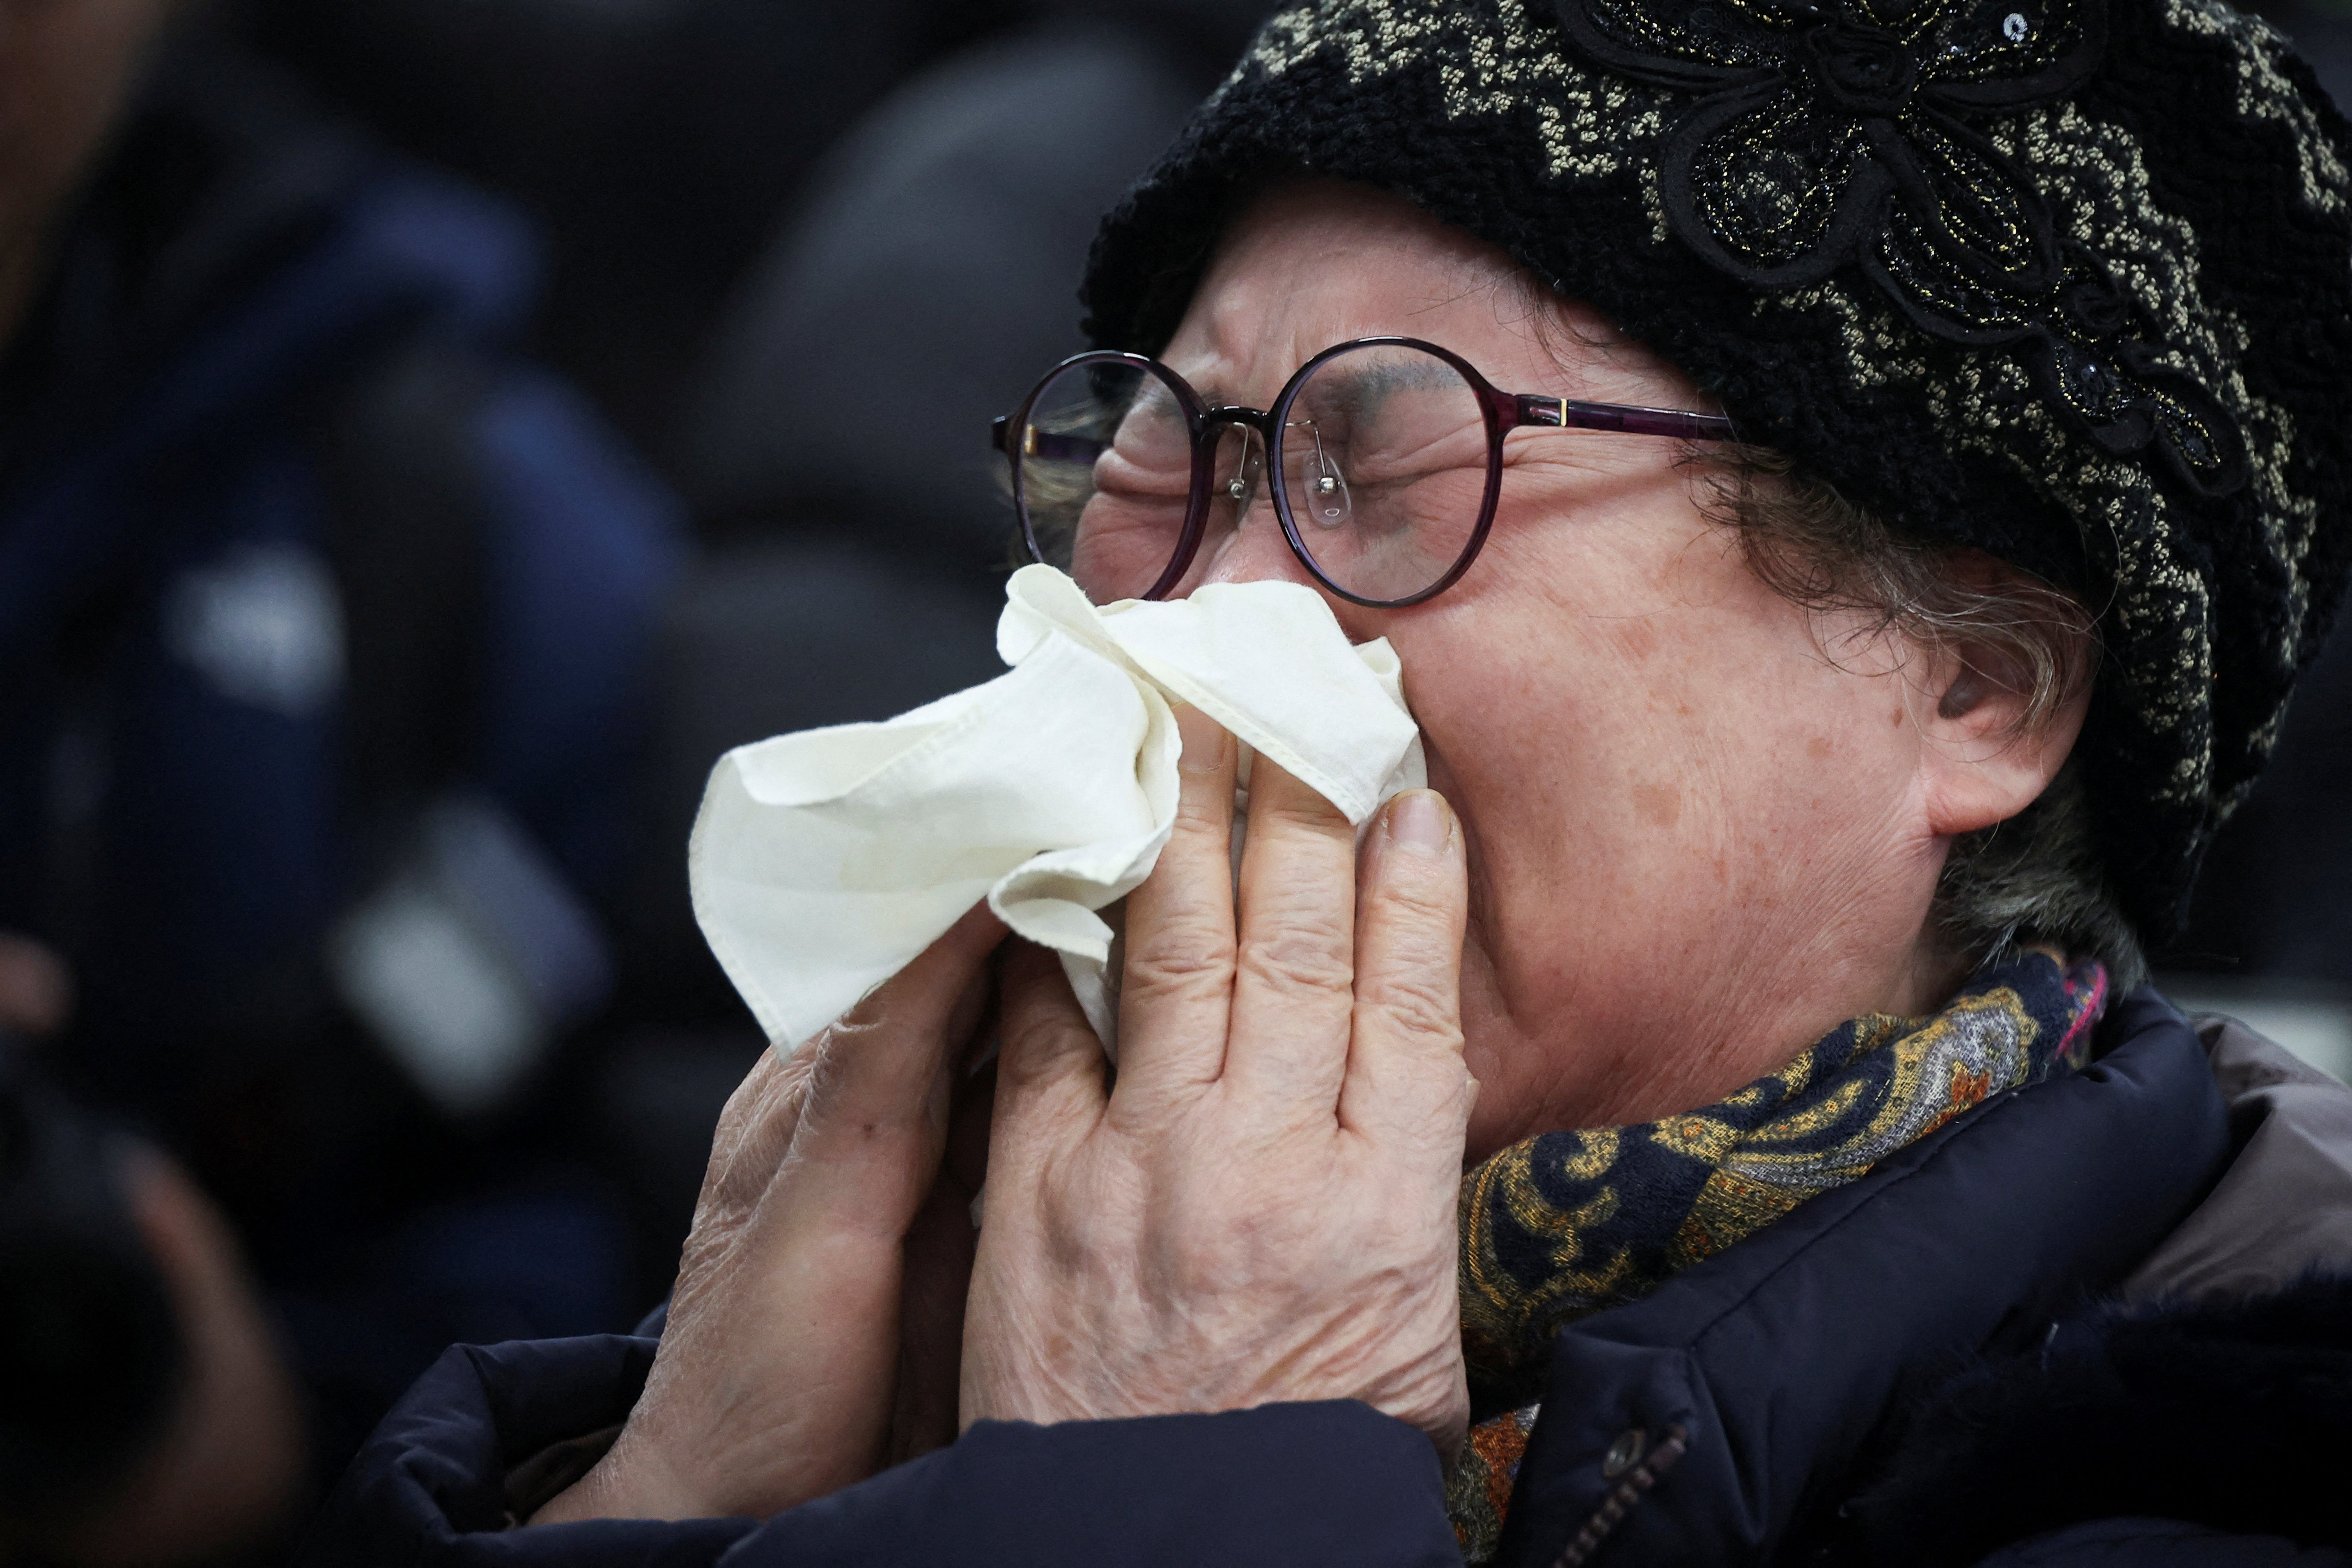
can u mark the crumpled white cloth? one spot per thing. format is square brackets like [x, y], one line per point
[823, 861]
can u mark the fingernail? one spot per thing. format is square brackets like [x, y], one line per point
[1205, 742]
[1420, 820]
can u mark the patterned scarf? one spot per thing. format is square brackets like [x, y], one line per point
[1569, 1224]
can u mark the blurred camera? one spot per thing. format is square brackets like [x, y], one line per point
[90, 1351]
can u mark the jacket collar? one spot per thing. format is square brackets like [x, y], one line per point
[2284, 1208]
[1767, 1368]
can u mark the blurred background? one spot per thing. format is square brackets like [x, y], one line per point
[431, 432]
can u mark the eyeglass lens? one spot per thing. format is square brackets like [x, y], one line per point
[1382, 453]
[1382, 458]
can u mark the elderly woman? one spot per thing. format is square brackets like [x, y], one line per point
[1851, 490]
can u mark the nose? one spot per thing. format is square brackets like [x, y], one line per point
[1256, 551]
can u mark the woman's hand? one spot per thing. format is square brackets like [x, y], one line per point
[1259, 1206]
[812, 1334]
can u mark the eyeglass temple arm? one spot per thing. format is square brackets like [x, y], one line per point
[1568, 414]
[1526, 408]
[1042, 442]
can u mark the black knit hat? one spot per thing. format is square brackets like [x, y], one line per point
[2069, 281]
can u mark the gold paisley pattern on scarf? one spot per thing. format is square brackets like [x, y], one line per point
[1568, 1223]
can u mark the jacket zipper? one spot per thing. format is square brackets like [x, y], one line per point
[1620, 1502]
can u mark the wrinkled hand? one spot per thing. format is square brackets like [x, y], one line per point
[812, 1333]
[1259, 1205]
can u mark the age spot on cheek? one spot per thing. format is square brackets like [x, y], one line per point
[1818, 748]
[1659, 804]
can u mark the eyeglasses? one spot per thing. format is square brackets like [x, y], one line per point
[1385, 460]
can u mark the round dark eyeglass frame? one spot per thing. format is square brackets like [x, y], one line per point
[1502, 411]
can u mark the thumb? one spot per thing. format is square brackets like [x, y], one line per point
[868, 1142]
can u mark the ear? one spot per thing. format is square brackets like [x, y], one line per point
[1989, 755]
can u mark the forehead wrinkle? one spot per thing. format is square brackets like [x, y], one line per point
[1242, 330]
[1245, 309]
[1265, 321]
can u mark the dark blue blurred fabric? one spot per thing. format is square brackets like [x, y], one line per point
[160, 429]
[179, 808]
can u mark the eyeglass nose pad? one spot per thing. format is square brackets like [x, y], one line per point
[1242, 485]
[1321, 492]
[1327, 498]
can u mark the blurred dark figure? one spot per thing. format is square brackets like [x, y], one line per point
[655, 139]
[146, 1415]
[925, 279]
[322, 627]
[661, 140]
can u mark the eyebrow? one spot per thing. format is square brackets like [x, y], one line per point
[1540, 411]
[1364, 385]
[1213, 394]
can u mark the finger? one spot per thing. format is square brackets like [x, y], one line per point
[1177, 984]
[1404, 1068]
[1294, 960]
[869, 1136]
[754, 1130]
[1051, 1077]
[827, 1243]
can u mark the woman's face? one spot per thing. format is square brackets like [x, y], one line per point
[1697, 842]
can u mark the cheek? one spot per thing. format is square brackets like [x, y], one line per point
[1552, 666]
[1527, 729]
[1685, 751]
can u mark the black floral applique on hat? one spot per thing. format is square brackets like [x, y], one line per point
[1828, 133]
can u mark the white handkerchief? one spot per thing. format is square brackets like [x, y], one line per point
[822, 862]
